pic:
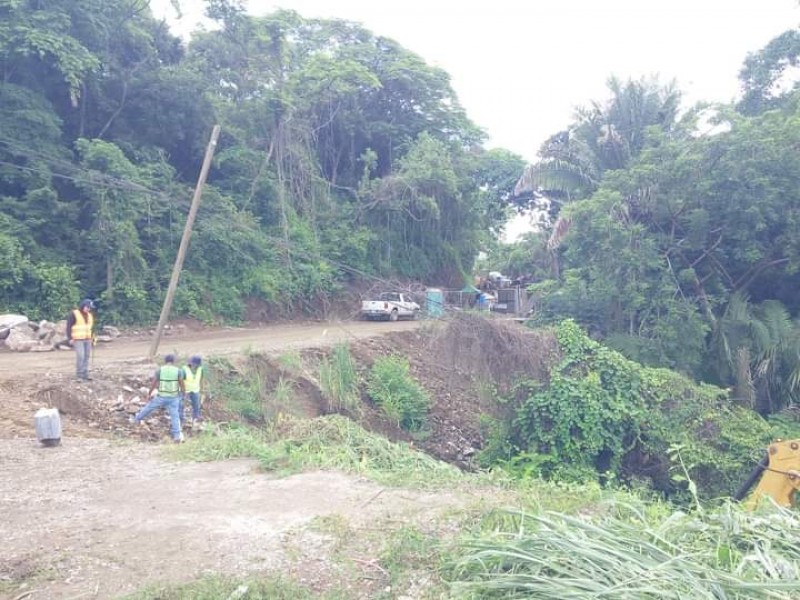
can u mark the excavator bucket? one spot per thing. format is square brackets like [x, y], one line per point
[779, 473]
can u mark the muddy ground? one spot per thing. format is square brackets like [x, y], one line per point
[99, 519]
[105, 513]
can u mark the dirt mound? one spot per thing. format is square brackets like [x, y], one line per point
[463, 366]
[499, 352]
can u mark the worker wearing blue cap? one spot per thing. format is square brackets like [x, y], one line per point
[193, 372]
[80, 325]
[169, 381]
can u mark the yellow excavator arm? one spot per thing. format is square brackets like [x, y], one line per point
[777, 473]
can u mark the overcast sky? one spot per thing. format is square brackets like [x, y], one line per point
[521, 67]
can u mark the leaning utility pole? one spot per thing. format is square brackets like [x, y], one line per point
[187, 233]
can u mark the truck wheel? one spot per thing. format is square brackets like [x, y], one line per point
[393, 316]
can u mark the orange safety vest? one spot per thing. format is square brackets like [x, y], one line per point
[82, 328]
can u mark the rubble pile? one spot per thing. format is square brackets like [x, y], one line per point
[105, 406]
[18, 334]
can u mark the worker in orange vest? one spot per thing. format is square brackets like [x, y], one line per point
[80, 324]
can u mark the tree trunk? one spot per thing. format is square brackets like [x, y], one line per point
[109, 278]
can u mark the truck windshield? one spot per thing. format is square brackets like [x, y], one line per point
[390, 296]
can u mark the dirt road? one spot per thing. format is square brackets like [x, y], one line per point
[217, 342]
[98, 519]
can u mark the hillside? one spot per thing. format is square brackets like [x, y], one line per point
[307, 503]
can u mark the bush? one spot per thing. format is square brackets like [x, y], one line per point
[392, 387]
[256, 392]
[604, 413]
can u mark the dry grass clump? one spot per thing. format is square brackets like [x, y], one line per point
[500, 351]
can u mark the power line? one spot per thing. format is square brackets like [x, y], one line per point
[109, 184]
[98, 177]
[103, 180]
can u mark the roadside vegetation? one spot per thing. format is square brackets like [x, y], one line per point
[665, 353]
[216, 588]
[393, 389]
[293, 445]
[551, 514]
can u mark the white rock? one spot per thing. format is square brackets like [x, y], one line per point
[9, 321]
[21, 339]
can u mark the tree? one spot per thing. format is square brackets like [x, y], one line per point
[605, 136]
[37, 41]
[770, 75]
[337, 145]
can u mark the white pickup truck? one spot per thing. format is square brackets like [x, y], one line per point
[390, 306]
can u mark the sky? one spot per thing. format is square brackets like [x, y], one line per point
[521, 67]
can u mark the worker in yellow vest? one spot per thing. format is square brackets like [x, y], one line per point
[195, 387]
[80, 325]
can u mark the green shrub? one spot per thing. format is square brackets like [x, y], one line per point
[245, 394]
[392, 387]
[255, 392]
[604, 413]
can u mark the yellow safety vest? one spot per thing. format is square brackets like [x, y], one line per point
[82, 328]
[192, 379]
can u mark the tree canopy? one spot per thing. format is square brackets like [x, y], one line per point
[342, 152]
[677, 242]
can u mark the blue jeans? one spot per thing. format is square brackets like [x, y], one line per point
[83, 350]
[171, 404]
[194, 398]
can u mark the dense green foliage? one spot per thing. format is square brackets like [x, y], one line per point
[675, 238]
[602, 413]
[392, 387]
[341, 153]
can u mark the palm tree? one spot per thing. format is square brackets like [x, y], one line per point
[758, 350]
[604, 136]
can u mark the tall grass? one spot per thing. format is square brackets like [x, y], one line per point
[628, 553]
[291, 361]
[256, 392]
[330, 442]
[338, 380]
[281, 396]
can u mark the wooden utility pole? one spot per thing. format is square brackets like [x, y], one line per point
[187, 233]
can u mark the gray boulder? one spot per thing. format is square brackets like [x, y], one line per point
[21, 339]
